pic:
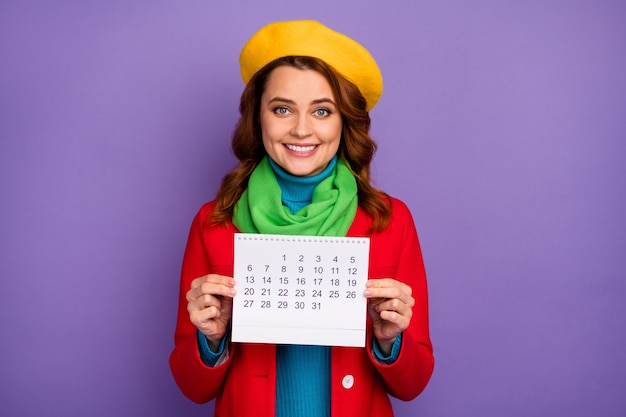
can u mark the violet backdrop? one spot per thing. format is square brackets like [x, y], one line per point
[502, 126]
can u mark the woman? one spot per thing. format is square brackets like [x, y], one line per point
[305, 153]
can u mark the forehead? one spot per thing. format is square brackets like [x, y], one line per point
[295, 82]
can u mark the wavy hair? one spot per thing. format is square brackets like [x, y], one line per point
[356, 148]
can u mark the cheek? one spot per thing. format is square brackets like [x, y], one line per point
[270, 146]
[266, 144]
[333, 134]
[271, 131]
[266, 135]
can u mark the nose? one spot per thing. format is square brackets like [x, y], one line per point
[301, 127]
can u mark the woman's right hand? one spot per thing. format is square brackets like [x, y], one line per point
[210, 306]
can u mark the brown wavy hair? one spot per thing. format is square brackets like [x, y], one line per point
[356, 148]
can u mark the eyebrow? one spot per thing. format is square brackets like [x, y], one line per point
[289, 101]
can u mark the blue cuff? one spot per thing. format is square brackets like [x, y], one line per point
[395, 351]
[209, 358]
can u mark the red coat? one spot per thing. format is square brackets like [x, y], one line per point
[245, 385]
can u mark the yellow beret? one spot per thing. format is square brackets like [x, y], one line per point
[311, 38]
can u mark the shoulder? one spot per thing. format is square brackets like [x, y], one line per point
[205, 211]
[207, 208]
[401, 220]
[399, 208]
[400, 217]
[202, 219]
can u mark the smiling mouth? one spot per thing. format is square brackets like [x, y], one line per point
[302, 149]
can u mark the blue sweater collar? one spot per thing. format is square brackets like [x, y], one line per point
[297, 192]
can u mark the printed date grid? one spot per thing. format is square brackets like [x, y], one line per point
[300, 290]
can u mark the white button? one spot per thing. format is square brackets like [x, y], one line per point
[347, 381]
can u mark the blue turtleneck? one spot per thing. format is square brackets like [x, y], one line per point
[297, 192]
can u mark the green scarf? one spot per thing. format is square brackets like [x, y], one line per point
[331, 212]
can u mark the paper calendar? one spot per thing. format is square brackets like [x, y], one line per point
[300, 290]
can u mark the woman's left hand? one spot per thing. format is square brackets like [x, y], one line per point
[390, 306]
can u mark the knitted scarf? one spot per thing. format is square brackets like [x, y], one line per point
[331, 212]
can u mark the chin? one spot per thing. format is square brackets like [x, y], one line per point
[301, 171]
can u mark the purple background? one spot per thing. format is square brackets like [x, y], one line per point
[502, 126]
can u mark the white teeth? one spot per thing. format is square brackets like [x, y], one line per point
[296, 148]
